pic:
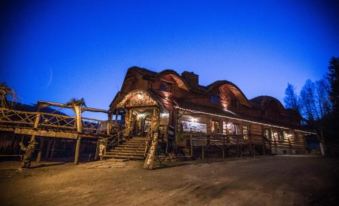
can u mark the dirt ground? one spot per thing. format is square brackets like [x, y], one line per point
[279, 180]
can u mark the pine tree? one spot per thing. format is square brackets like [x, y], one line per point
[333, 77]
[291, 99]
[307, 100]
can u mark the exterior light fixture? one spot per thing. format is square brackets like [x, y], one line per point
[140, 96]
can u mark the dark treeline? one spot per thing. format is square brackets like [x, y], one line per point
[318, 105]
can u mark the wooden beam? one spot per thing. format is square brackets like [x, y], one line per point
[90, 109]
[46, 133]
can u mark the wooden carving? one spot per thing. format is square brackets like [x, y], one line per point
[137, 98]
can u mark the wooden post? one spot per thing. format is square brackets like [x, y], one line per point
[238, 146]
[264, 143]
[202, 152]
[192, 148]
[48, 149]
[223, 147]
[96, 150]
[27, 158]
[116, 119]
[109, 124]
[77, 110]
[53, 149]
[77, 151]
[38, 158]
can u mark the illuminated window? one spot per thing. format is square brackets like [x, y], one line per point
[232, 128]
[280, 136]
[245, 132]
[288, 135]
[215, 127]
[275, 135]
[267, 134]
[224, 127]
[192, 125]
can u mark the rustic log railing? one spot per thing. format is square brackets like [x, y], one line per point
[16, 119]
[222, 141]
[53, 125]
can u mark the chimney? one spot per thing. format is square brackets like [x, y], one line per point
[191, 78]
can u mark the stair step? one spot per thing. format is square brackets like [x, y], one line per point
[132, 145]
[132, 149]
[131, 157]
[129, 150]
[125, 153]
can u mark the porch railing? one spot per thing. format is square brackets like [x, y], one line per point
[24, 119]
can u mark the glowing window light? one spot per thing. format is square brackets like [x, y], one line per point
[164, 114]
[287, 135]
[192, 119]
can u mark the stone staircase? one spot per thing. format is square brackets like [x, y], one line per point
[132, 149]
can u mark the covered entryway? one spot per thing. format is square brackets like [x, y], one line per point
[142, 119]
[142, 113]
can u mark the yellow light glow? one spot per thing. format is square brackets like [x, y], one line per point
[140, 96]
[192, 119]
[164, 114]
[141, 115]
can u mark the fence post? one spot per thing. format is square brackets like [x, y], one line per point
[202, 152]
[192, 148]
[77, 109]
[38, 158]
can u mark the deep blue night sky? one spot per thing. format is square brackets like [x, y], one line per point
[56, 50]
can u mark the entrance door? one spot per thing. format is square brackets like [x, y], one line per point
[141, 121]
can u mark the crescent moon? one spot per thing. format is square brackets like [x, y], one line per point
[50, 79]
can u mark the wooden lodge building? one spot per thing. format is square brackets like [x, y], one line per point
[204, 120]
[157, 115]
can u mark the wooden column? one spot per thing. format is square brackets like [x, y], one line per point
[238, 145]
[77, 150]
[264, 140]
[31, 145]
[96, 155]
[35, 126]
[152, 153]
[38, 158]
[77, 110]
[48, 148]
[116, 119]
[223, 146]
[53, 149]
[109, 124]
[202, 152]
